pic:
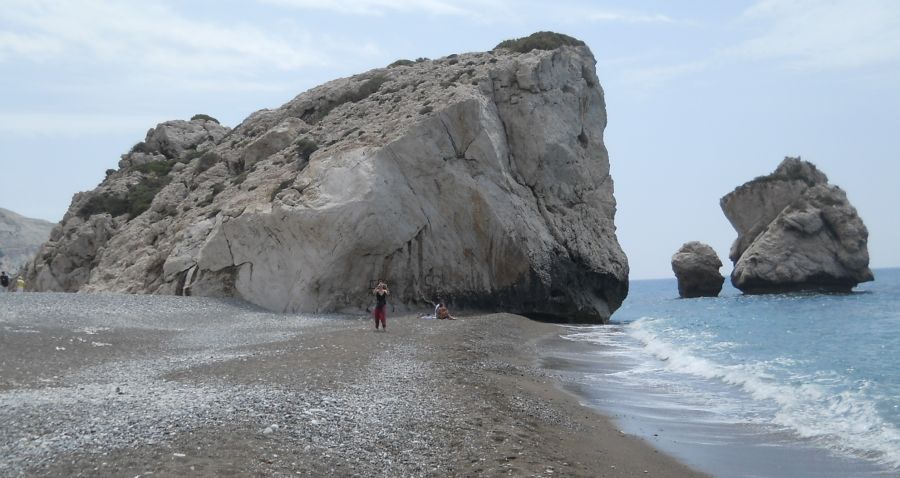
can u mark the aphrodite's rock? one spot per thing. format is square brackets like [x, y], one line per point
[696, 266]
[796, 232]
[753, 206]
[480, 178]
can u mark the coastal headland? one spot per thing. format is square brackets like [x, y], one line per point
[481, 179]
[118, 385]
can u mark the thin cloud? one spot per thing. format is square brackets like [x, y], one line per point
[54, 125]
[626, 17]
[37, 47]
[836, 34]
[493, 11]
[468, 8]
[145, 36]
[656, 76]
[800, 34]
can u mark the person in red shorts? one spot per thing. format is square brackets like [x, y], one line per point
[381, 292]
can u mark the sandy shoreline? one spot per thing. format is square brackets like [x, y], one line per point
[319, 397]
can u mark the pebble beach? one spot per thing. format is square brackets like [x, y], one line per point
[118, 385]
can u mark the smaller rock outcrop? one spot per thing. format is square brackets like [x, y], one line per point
[796, 232]
[142, 182]
[696, 266]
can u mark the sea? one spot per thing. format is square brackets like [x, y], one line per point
[783, 385]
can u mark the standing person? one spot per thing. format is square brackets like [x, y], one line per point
[4, 281]
[381, 292]
[20, 284]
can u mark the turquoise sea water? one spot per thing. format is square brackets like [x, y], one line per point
[768, 385]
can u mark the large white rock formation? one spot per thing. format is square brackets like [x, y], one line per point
[796, 232]
[480, 178]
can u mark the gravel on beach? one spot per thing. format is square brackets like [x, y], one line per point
[119, 385]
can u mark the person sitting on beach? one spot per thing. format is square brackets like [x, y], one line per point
[444, 313]
[20, 284]
[4, 281]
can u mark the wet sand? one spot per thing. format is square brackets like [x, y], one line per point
[243, 393]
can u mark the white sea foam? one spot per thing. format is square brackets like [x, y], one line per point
[597, 334]
[845, 420]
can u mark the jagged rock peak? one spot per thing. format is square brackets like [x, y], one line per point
[796, 232]
[752, 206]
[480, 178]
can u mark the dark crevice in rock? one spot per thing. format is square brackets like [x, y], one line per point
[459, 153]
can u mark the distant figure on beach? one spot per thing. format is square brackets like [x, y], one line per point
[381, 292]
[4, 281]
[442, 312]
[20, 284]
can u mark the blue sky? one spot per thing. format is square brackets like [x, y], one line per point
[702, 96]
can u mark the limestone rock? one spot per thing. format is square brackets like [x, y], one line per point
[20, 239]
[796, 232]
[480, 178]
[64, 262]
[696, 266]
[173, 138]
[753, 206]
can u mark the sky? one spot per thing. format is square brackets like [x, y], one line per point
[701, 96]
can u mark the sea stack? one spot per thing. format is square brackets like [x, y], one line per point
[696, 266]
[481, 178]
[796, 232]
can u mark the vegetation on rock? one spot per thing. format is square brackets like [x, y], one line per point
[140, 147]
[305, 148]
[539, 41]
[206, 161]
[191, 155]
[401, 62]
[159, 168]
[203, 117]
[240, 178]
[155, 176]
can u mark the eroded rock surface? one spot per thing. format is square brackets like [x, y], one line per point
[20, 238]
[696, 266]
[796, 232]
[480, 178]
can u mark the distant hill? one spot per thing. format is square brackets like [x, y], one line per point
[20, 239]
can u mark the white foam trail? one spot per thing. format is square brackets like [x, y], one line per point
[598, 334]
[847, 421]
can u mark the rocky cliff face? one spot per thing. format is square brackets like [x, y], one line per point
[20, 238]
[480, 178]
[796, 232]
